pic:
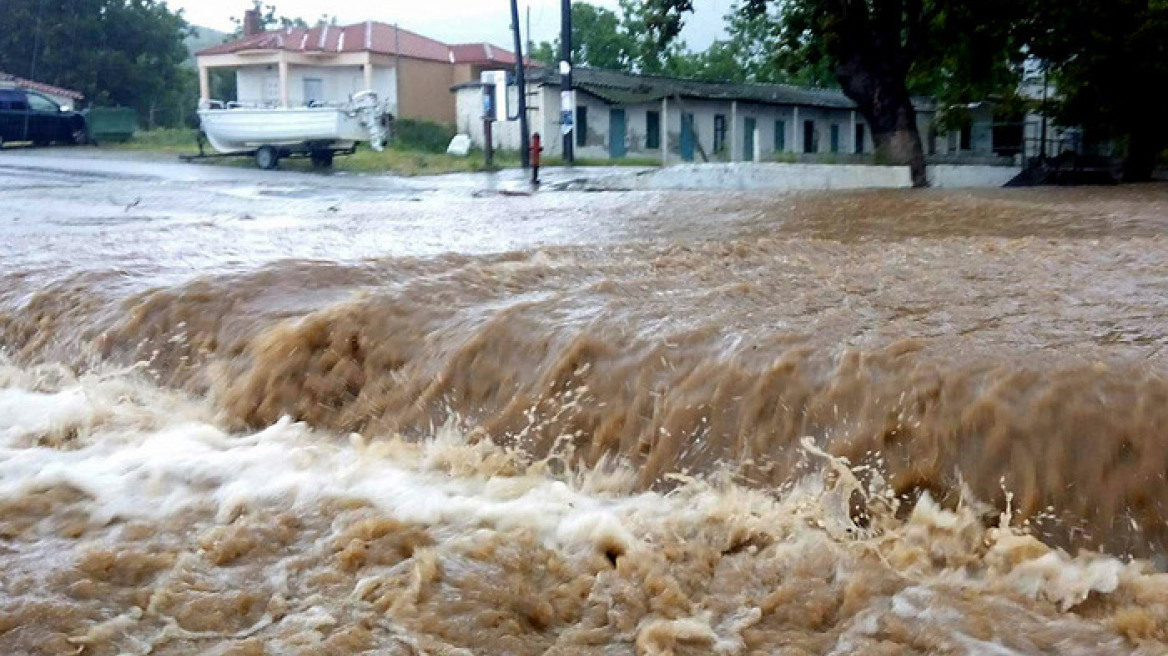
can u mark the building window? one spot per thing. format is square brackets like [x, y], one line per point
[835, 138]
[810, 137]
[967, 137]
[581, 126]
[719, 132]
[780, 136]
[652, 130]
[859, 138]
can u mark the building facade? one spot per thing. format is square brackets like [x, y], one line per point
[294, 67]
[618, 115]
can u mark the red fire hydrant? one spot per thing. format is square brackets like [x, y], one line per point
[536, 149]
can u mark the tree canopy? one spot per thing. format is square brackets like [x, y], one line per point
[1103, 58]
[116, 52]
[880, 52]
[270, 18]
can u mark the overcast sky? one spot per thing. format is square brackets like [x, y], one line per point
[452, 21]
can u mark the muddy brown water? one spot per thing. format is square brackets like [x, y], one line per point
[866, 422]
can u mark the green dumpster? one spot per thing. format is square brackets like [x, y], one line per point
[111, 123]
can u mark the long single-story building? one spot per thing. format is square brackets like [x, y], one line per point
[621, 115]
[292, 67]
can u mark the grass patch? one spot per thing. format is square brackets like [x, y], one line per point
[408, 162]
[399, 159]
[167, 140]
[641, 162]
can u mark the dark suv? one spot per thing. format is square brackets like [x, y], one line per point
[30, 116]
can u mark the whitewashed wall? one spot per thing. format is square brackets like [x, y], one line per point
[261, 84]
[545, 118]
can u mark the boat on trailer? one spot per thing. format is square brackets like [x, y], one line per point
[317, 131]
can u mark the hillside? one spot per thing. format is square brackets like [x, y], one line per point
[203, 37]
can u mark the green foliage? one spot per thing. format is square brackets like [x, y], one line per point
[629, 40]
[1107, 60]
[425, 136]
[116, 52]
[879, 51]
[269, 19]
[617, 40]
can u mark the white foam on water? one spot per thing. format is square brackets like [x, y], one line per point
[134, 473]
[139, 452]
[26, 414]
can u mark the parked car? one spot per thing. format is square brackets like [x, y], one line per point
[30, 116]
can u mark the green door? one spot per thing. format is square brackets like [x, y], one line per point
[687, 137]
[748, 140]
[616, 133]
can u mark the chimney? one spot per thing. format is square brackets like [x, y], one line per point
[251, 22]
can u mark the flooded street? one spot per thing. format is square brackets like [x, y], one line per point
[248, 412]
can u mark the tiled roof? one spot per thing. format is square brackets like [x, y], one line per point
[625, 88]
[370, 36]
[481, 53]
[41, 86]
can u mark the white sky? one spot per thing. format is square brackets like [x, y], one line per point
[452, 21]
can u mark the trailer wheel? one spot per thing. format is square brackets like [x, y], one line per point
[322, 159]
[267, 158]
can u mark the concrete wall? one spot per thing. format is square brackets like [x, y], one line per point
[760, 177]
[425, 86]
[545, 118]
[261, 84]
[778, 177]
[426, 91]
[948, 176]
[949, 143]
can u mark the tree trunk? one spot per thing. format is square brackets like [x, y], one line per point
[881, 95]
[1140, 162]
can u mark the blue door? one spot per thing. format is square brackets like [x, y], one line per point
[749, 129]
[616, 133]
[687, 137]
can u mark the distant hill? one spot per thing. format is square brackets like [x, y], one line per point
[203, 37]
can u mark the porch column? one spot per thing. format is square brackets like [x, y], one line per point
[853, 137]
[797, 132]
[665, 131]
[734, 145]
[204, 83]
[367, 68]
[283, 80]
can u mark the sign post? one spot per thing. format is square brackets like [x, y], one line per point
[567, 104]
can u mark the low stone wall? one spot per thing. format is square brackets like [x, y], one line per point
[744, 176]
[948, 176]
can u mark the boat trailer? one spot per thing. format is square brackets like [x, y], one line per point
[268, 157]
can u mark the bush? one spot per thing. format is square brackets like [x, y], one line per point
[426, 136]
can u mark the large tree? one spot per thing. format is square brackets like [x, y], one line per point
[875, 48]
[1106, 60]
[619, 41]
[119, 52]
[598, 40]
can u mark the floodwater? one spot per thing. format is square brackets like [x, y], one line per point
[289, 414]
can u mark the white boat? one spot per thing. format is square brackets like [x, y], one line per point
[232, 128]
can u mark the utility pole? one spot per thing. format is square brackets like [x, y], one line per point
[521, 82]
[530, 42]
[567, 108]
